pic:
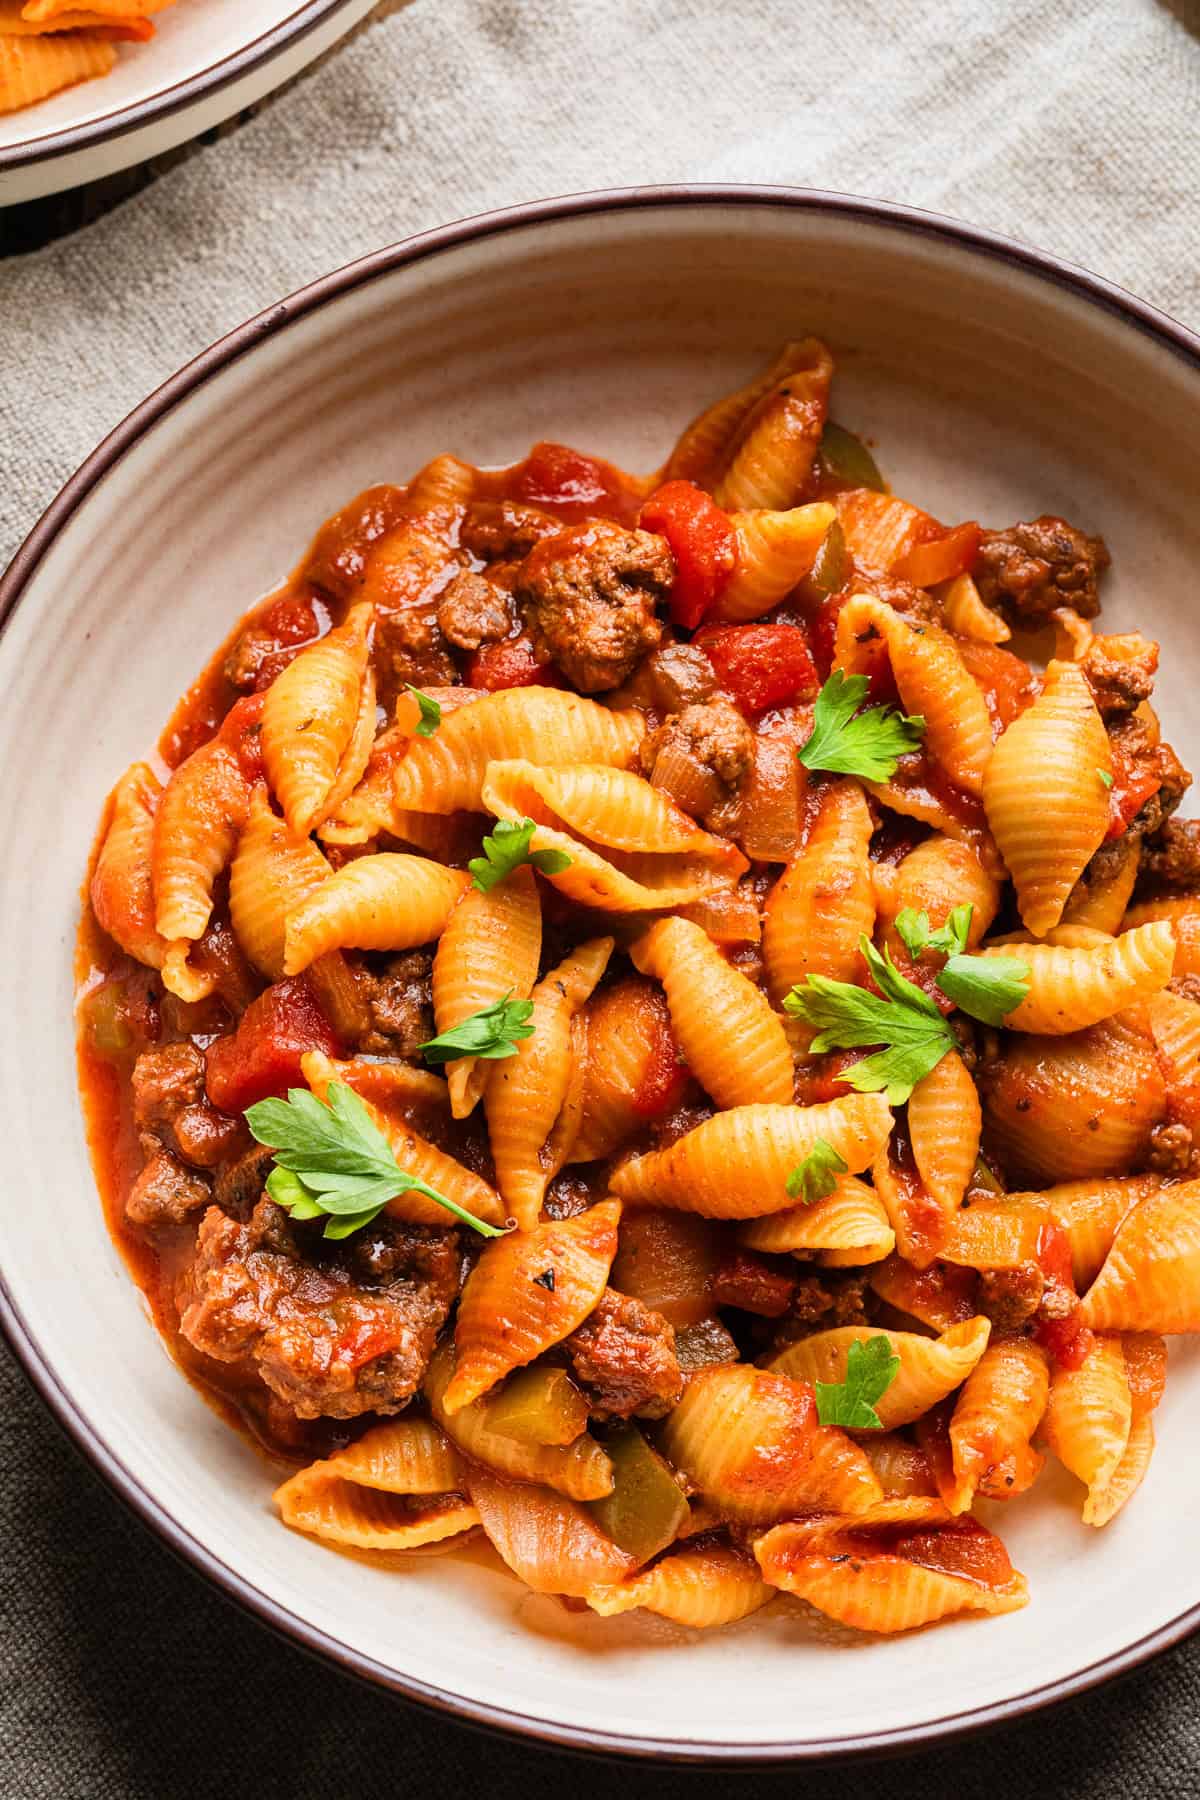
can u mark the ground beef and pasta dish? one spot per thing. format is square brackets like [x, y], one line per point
[625, 1017]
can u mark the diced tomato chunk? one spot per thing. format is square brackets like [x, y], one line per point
[572, 484]
[1133, 784]
[262, 1057]
[291, 619]
[942, 558]
[822, 632]
[760, 666]
[1054, 1255]
[1066, 1340]
[241, 732]
[513, 663]
[703, 543]
[1007, 683]
[664, 1079]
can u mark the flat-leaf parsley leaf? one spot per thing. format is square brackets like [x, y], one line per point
[430, 711]
[845, 741]
[986, 987]
[901, 1018]
[507, 848]
[817, 1175]
[871, 1368]
[490, 1033]
[332, 1161]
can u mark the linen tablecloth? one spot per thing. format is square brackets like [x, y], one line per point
[1070, 125]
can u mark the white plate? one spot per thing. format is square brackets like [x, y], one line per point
[996, 384]
[207, 60]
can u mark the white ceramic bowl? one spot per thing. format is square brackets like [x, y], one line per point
[207, 60]
[996, 383]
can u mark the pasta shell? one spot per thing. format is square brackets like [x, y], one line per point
[901, 1468]
[751, 1443]
[1065, 1108]
[1100, 896]
[1072, 988]
[1089, 1415]
[824, 901]
[1045, 801]
[488, 951]
[509, 1313]
[704, 444]
[1104, 1503]
[630, 1050]
[933, 680]
[848, 1227]
[944, 1121]
[1089, 1212]
[445, 481]
[775, 550]
[938, 1296]
[446, 772]
[580, 1470]
[357, 1497]
[937, 876]
[772, 456]
[416, 1157]
[890, 1578]
[701, 1586]
[880, 529]
[272, 872]
[385, 902]
[749, 1059]
[1150, 1280]
[526, 1092]
[930, 1368]
[630, 848]
[1175, 1023]
[993, 1423]
[919, 1221]
[966, 615]
[309, 723]
[33, 68]
[1183, 916]
[122, 888]
[736, 1165]
[999, 1233]
[200, 813]
[555, 1546]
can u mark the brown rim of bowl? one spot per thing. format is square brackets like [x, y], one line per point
[123, 119]
[37, 1365]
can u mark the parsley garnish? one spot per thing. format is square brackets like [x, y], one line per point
[1105, 777]
[871, 1368]
[491, 1033]
[507, 849]
[817, 1175]
[333, 1162]
[847, 742]
[986, 987]
[902, 1018]
[431, 712]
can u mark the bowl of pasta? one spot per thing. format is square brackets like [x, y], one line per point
[86, 91]
[633, 1034]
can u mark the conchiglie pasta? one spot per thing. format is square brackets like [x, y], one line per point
[937, 876]
[581, 1470]
[901, 1468]
[312, 732]
[938, 1296]
[487, 952]
[629, 1047]
[629, 847]
[1046, 801]
[1088, 1418]
[919, 1220]
[702, 446]
[930, 1368]
[933, 680]
[1150, 1280]
[944, 1119]
[747, 1057]
[445, 773]
[891, 1577]
[33, 68]
[200, 813]
[397, 1488]
[526, 1293]
[1070, 988]
[967, 616]
[1183, 915]
[772, 456]
[554, 1545]
[1089, 1212]
[416, 1157]
[824, 901]
[701, 1586]
[1065, 1108]
[1104, 1502]
[122, 888]
[847, 1228]
[736, 1165]
[775, 550]
[272, 872]
[994, 1421]
[384, 902]
[527, 1094]
[1101, 894]
[751, 1443]
[1175, 1023]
